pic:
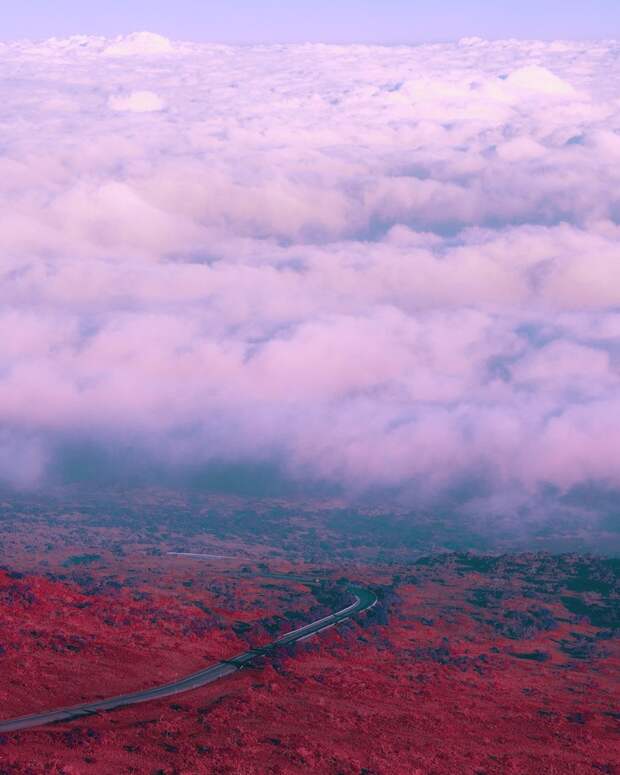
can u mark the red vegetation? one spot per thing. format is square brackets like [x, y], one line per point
[469, 665]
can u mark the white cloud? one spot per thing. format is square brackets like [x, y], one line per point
[136, 102]
[533, 78]
[139, 44]
[378, 265]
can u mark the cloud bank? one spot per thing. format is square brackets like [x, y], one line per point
[372, 267]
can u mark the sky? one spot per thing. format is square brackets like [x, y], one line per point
[245, 21]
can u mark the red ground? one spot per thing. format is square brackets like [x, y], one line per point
[468, 666]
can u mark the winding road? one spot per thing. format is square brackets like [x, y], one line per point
[364, 599]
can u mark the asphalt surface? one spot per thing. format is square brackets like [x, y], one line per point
[364, 600]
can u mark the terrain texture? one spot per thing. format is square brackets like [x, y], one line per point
[472, 662]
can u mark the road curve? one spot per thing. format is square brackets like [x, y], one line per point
[364, 599]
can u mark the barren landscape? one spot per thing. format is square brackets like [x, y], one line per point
[471, 662]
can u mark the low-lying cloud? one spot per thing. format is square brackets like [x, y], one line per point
[136, 102]
[372, 267]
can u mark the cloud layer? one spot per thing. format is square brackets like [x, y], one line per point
[375, 267]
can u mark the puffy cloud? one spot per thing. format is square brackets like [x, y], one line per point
[379, 267]
[139, 44]
[534, 78]
[136, 102]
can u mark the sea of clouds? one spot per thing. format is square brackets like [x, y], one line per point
[369, 266]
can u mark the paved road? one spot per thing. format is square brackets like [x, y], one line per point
[363, 600]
